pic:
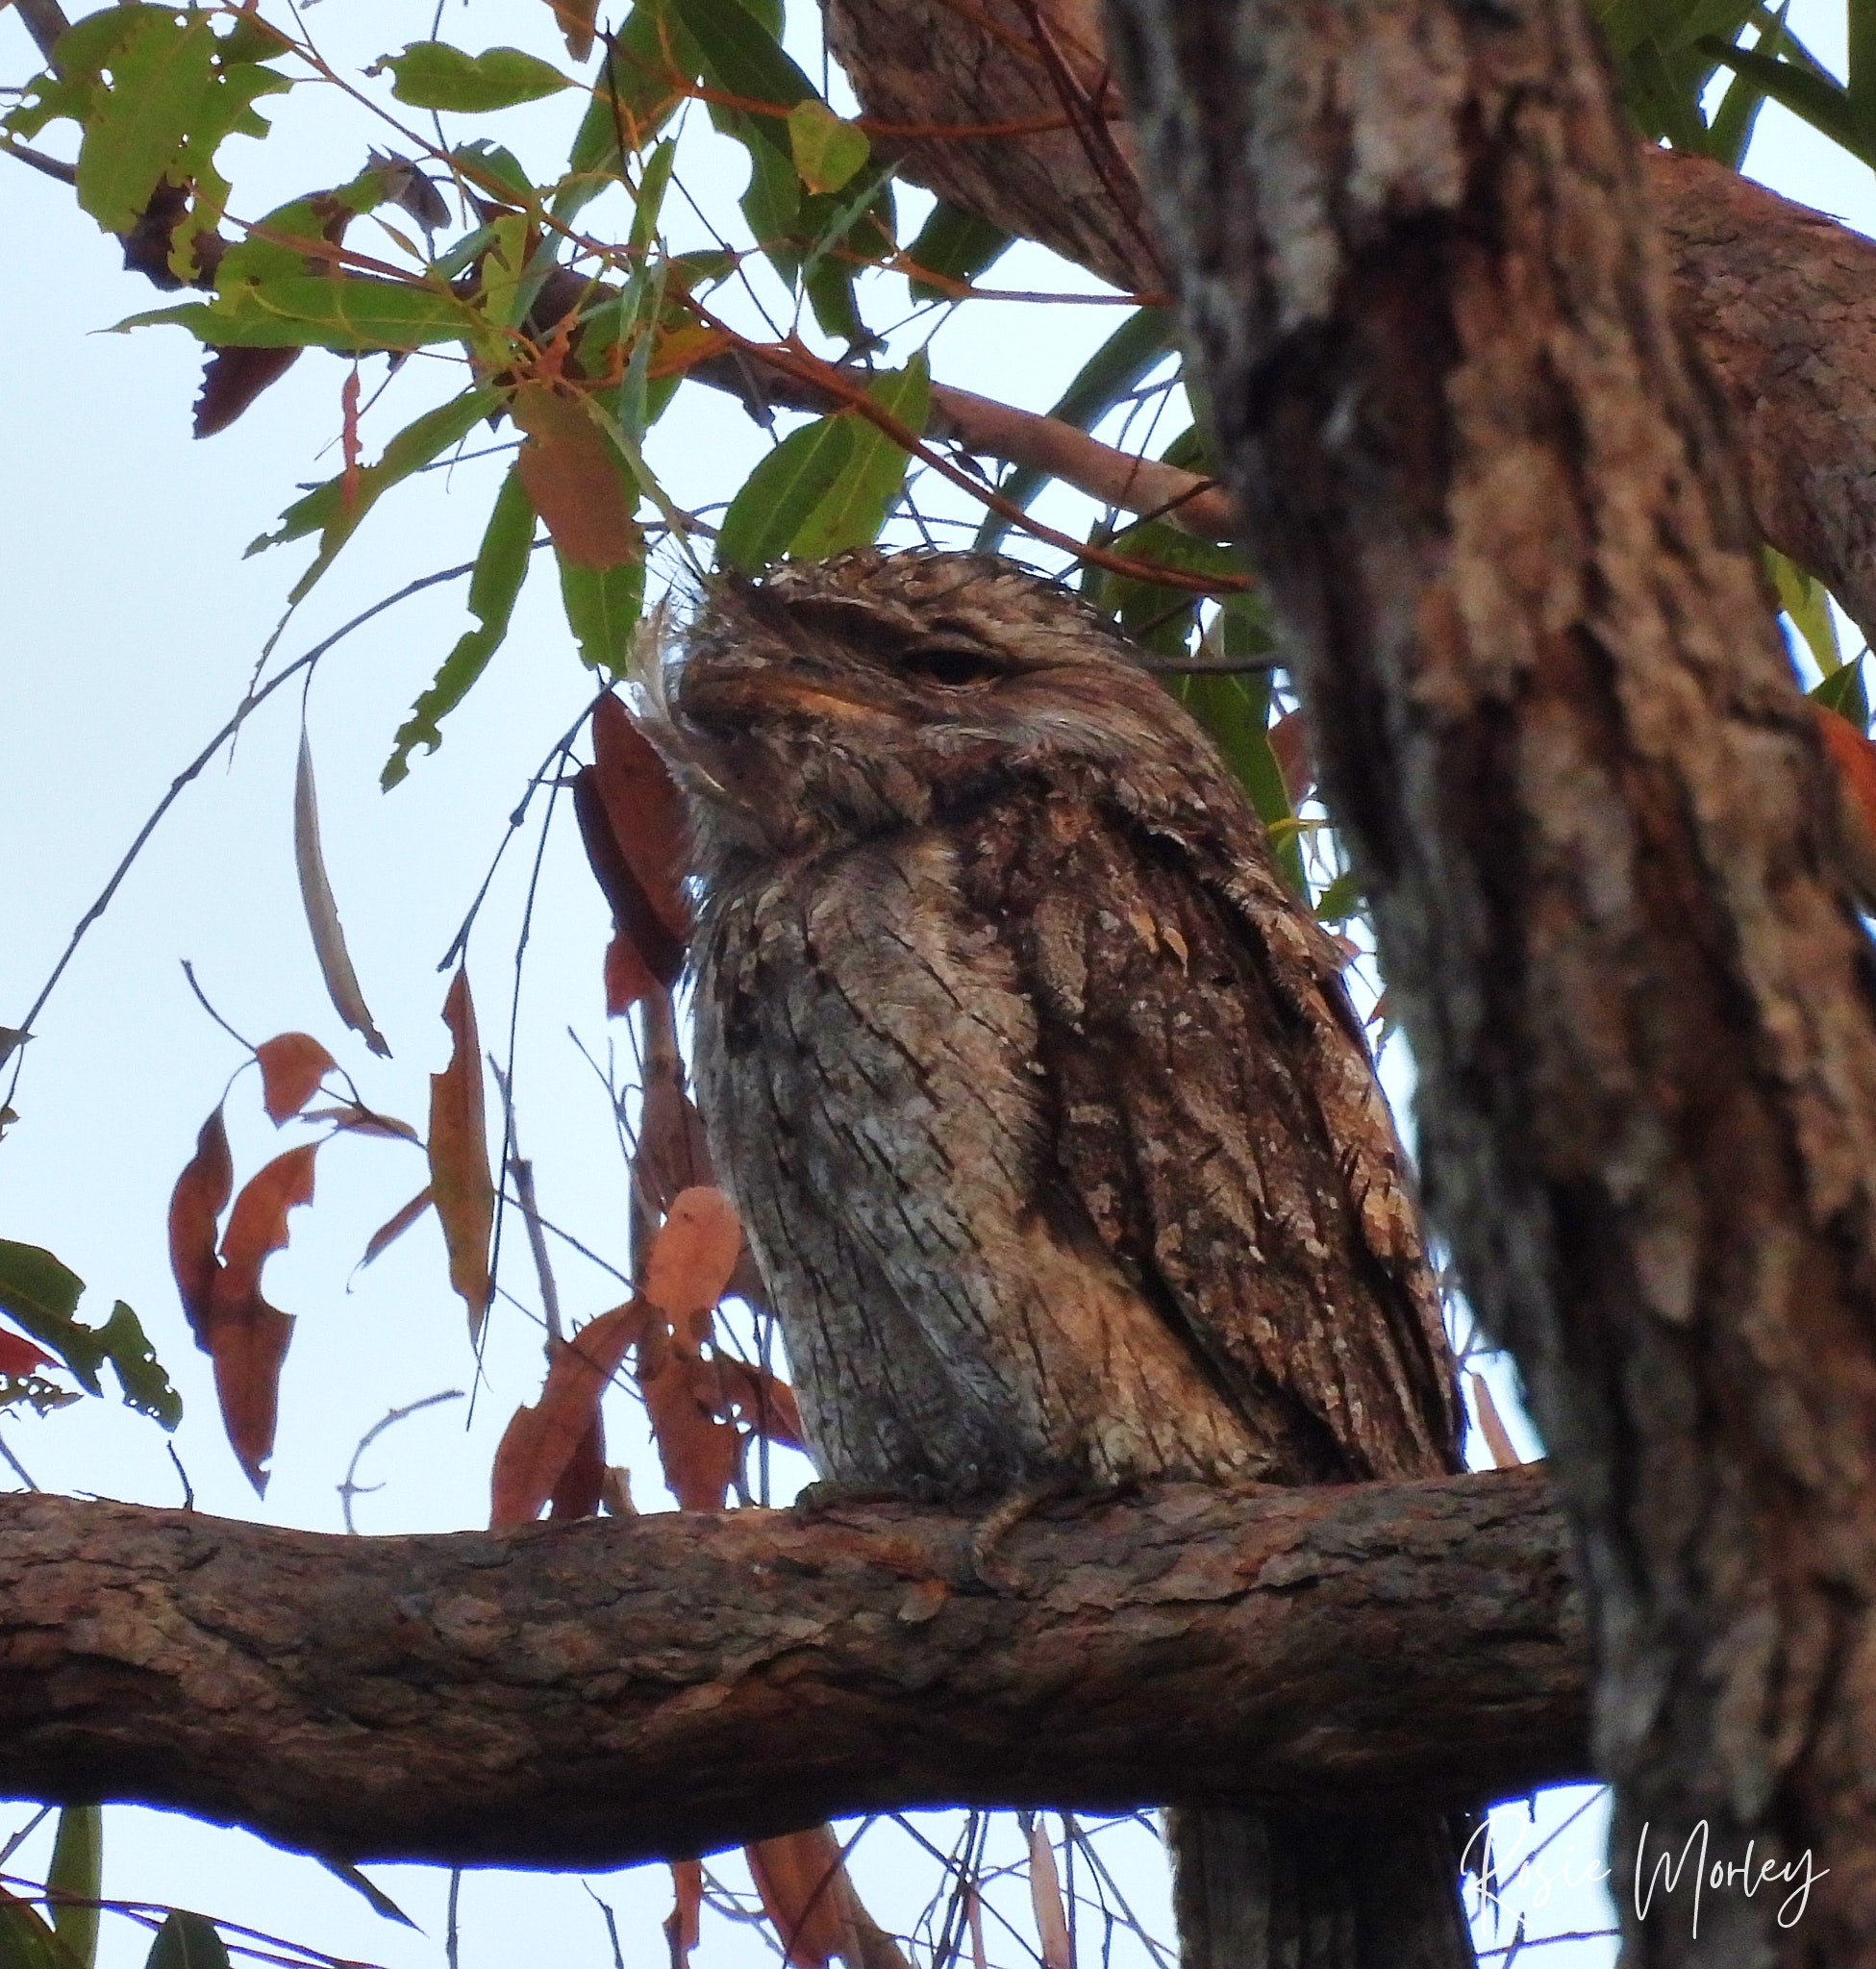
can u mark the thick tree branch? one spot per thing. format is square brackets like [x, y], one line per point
[593, 1694]
[1780, 301]
[988, 429]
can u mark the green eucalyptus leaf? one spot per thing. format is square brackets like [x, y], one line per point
[326, 510]
[322, 312]
[741, 56]
[40, 1294]
[1843, 692]
[955, 246]
[501, 567]
[780, 494]
[161, 69]
[26, 1942]
[827, 149]
[603, 608]
[187, 1941]
[854, 507]
[433, 75]
[1825, 105]
[75, 1880]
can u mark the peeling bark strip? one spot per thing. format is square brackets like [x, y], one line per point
[594, 1694]
[1416, 260]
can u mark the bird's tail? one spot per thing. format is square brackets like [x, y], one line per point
[1312, 1891]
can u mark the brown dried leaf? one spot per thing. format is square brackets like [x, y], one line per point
[1290, 744]
[624, 975]
[292, 1065]
[696, 1448]
[673, 1154]
[232, 379]
[681, 1923]
[1491, 1427]
[767, 1404]
[245, 1336]
[803, 1889]
[576, 22]
[394, 1227]
[646, 813]
[572, 480]
[542, 1441]
[322, 913]
[1045, 1898]
[195, 1206]
[693, 1254]
[463, 1190]
[577, 1492]
[364, 1121]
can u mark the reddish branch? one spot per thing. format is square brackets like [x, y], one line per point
[593, 1694]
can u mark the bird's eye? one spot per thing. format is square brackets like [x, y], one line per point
[951, 664]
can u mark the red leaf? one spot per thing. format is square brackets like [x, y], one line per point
[540, 1442]
[697, 1450]
[200, 1196]
[292, 1065]
[350, 449]
[458, 1155]
[245, 1336]
[674, 1153]
[362, 1121]
[625, 977]
[1854, 758]
[646, 812]
[19, 1357]
[572, 480]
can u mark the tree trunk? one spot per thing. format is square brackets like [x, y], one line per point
[1416, 260]
[1780, 301]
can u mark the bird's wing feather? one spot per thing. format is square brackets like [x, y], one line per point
[1216, 1114]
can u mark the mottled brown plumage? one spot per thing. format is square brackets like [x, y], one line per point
[1049, 1120]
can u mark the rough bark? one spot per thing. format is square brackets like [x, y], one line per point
[594, 1694]
[1558, 726]
[1780, 301]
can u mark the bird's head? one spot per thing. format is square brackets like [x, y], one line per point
[841, 699]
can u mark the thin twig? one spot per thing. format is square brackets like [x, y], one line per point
[188, 1488]
[16, 1465]
[52, 167]
[348, 1490]
[250, 703]
[202, 999]
[45, 21]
